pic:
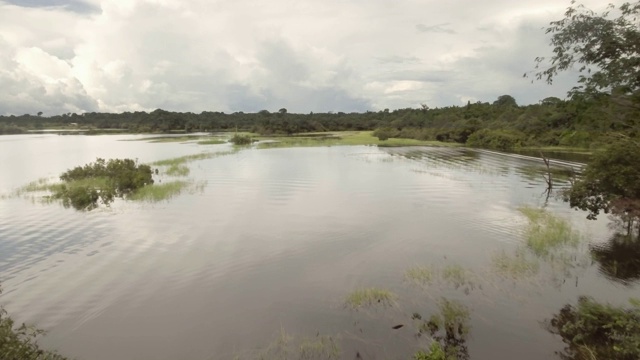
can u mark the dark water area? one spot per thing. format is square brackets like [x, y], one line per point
[278, 238]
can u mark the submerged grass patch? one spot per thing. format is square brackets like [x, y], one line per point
[547, 232]
[212, 141]
[516, 266]
[288, 346]
[421, 275]
[164, 191]
[456, 275]
[201, 140]
[42, 184]
[452, 275]
[342, 138]
[178, 170]
[369, 297]
[189, 158]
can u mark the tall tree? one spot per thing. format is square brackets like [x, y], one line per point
[606, 48]
[608, 51]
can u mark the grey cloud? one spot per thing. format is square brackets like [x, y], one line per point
[190, 56]
[285, 83]
[396, 59]
[77, 6]
[430, 76]
[495, 71]
[438, 28]
[320, 99]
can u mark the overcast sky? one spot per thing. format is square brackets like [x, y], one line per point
[60, 56]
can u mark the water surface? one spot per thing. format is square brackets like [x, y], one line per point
[276, 240]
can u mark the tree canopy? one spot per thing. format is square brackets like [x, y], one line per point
[610, 182]
[84, 186]
[606, 48]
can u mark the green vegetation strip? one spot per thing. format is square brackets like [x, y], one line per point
[178, 170]
[452, 274]
[369, 297]
[189, 158]
[341, 139]
[159, 192]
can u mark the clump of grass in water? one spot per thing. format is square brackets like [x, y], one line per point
[547, 232]
[516, 266]
[448, 329]
[453, 274]
[287, 346]
[421, 275]
[178, 170]
[42, 184]
[321, 347]
[369, 297]
[457, 276]
[159, 192]
[241, 139]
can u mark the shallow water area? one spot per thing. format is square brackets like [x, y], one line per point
[275, 240]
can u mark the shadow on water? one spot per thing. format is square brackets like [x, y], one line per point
[618, 259]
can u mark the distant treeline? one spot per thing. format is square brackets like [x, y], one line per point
[579, 122]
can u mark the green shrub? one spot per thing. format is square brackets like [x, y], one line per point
[20, 343]
[598, 331]
[84, 186]
[385, 133]
[582, 139]
[496, 139]
[238, 139]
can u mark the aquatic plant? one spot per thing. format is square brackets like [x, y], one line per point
[212, 141]
[592, 330]
[83, 187]
[448, 328]
[181, 160]
[368, 297]
[516, 266]
[421, 275]
[320, 347]
[547, 232]
[342, 138]
[20, 343]
[241, 139]
[436, 352]
[288, 346]
[457, 276]
[177, 170]
[450, 275]
[164, 191]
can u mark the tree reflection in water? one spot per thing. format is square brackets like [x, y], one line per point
[619, 258]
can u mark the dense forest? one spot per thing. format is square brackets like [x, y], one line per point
[583, 121]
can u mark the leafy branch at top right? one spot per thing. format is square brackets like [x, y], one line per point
[605, 49]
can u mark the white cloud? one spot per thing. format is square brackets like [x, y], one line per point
[195, 55]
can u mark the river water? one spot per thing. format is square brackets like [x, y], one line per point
[275, 241]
